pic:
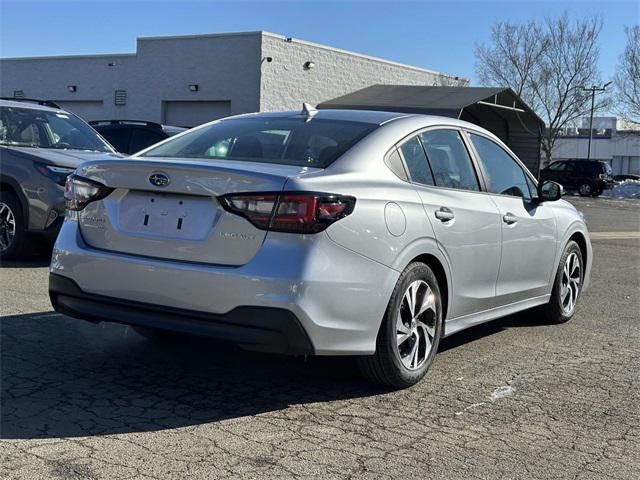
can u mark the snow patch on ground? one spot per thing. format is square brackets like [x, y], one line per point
[626, 189]
[502, 392]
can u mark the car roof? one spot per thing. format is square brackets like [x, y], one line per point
[369, 116]
[29, 105]
[363, 116]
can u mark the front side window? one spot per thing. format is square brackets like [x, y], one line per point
[29, 127]
[503, 174]
[449, 160]
[416, 161]
[557, 166]
[304, 142]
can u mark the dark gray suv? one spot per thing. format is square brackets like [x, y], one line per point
[39, 146]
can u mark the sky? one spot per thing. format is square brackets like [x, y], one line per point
[437, 35]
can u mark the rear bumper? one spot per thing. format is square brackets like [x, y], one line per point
[263, 329]
[604, 184]
[338, 297]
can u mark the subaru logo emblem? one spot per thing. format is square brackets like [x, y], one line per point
[159, 179]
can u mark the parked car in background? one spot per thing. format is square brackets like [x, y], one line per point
[131, 136]
[330, 232]
[40, 144]
[588, 177]
[625, 177]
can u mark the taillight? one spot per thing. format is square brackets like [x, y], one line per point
[294, 212]
[80, 191]
[55, 173]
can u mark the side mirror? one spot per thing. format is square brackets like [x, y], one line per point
[549, 191]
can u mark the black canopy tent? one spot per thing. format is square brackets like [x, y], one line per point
[498, 109]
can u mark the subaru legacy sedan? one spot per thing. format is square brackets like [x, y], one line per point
[330, 232]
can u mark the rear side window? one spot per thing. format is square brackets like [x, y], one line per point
[118, 137]
[141, 138]
[503, 174]
[449, 159]
[416, 161]
[305, 142]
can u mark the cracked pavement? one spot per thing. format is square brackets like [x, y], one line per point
[509, 399]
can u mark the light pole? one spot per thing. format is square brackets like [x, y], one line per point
[593, 89]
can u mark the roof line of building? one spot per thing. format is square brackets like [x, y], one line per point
[64, 57]
[232, 34]
[362, 55]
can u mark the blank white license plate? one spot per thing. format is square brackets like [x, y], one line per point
[169, 215]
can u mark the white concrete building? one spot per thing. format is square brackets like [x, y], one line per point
[187, 80]
[614, 141]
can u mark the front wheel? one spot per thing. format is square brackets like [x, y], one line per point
[410, 332]
[566, 287]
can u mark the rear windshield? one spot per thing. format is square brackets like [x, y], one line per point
[291, 141]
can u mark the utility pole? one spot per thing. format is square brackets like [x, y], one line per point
[593, 89]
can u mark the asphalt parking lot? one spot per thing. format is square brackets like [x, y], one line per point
[511, 399]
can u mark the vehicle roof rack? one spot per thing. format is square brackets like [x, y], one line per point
[94, 123]
[44, 103]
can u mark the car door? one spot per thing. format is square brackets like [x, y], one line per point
[528, 227]
[465, 221]
[569, 176]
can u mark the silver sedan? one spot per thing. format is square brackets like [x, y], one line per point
[324, 232]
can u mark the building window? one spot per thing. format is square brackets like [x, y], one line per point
[121, 97]
[18, 94]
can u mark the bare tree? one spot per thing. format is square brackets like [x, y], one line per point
[627, 78]
[547, 64]
[513, 57]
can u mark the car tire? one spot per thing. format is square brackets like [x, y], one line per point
[12, 226]
[586, 189]
[555, 312]
[406, 338]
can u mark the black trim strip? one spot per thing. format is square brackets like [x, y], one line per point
[265, 329]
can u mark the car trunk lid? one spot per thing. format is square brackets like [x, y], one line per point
[169, 209]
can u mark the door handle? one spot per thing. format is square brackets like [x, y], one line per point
[444, 214]
[509, 218]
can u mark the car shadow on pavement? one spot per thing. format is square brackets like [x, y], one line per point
[61, 377]
[39, 256]
[34, 262]
[527, 318]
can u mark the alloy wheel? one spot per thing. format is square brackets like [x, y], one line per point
[415, 325]
[570, 284]
[7, 226]
[585, 189]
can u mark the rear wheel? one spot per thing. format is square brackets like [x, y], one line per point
[585, 189]
[567, 286]
[410, 332]
[12, 226]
